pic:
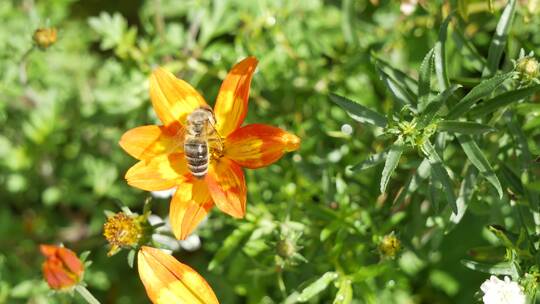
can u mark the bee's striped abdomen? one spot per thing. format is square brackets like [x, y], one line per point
[196, 152]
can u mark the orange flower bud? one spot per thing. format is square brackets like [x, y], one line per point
[45, 37]
[62, 268]
[168, 281]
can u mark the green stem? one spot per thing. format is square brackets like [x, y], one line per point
[86, 294]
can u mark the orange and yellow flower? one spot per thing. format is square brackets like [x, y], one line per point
[159, 149]
[62, 268]
[168, 281]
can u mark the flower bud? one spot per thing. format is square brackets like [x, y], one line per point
[62, 268]
[528, 68]
[45, 37]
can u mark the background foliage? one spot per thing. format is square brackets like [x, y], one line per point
[311, 217]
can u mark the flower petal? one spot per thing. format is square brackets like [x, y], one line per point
[232, 100]
[227, 187]
[146, 142]
[190, 205]
[168, 281]
[254, 146]
[159, 173]
[173, 99]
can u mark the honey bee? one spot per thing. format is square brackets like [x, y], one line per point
[200, 134]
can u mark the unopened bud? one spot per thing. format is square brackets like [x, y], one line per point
[528, 68]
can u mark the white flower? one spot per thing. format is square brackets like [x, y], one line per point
[164, 193]
[497, 291]
[408, 7]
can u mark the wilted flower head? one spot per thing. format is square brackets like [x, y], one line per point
[124, 231]
[45, 37]
[505, 291]
[62, 268]
[168, 281]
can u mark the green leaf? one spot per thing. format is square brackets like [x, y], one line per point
[424, 81]
[317, 287]
[440, 174]
[498, 42]
[392, 160]
[410, 83]
[478, 159]
[485, 88]
[464, 127]
[358, 112]
[345, 292]
[440, 55]
[398, 91]
[502, 100]
[231, 243]
[370, 162]
[434, 107]
[503, 268]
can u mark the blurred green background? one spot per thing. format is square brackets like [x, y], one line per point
[64, 108]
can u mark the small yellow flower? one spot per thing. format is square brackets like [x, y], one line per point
[389, 246]
[123, 231]
[45, 37]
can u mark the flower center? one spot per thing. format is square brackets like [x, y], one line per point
[122, 230]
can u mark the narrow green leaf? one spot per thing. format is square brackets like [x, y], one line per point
[440, 174]
[502, 100]
[424, 81]
[410, 83]
[370, 162]
[498, 42]
[358, 112]
[485, 88]
[345, 292]
[440, 55]
[478, 159]
[391, 163]
[317, 287]
[511, 179]
[398, 91]
[434, 107]
[503, 268]
[464, 127]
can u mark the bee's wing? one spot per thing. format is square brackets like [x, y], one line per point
[214, 138]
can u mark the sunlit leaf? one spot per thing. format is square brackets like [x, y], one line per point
[358, 112]
[484, 89]
[464, 127]
[392, 160]
[477, 158]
